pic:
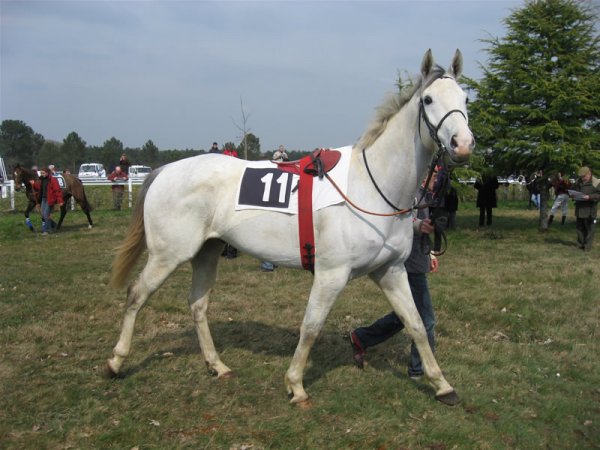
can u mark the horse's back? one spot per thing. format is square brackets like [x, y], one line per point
[203, 177]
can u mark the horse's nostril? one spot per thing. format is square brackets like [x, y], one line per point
[453, 142]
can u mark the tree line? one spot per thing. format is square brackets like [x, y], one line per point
[20, 144]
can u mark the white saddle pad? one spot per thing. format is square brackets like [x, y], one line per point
[264, 186]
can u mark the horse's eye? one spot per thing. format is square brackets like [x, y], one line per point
[428, 100]
[467, 101]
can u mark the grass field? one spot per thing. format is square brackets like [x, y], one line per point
[517, 333]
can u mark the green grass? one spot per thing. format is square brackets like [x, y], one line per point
[517, 332]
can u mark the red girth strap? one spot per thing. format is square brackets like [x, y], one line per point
[305, 216]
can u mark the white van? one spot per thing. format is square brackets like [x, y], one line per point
[139, 171]
[92, 170]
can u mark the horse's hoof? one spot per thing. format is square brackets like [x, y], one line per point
[304, 404]
[303, 401]
[226, 376]
[89, 227]
[451, 398]
[109, 372]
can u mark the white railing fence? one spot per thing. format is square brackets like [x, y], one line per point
[8, 189]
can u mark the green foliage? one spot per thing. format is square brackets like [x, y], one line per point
[149, 154]
[251, 151]
[111, 152]
[49, 154]
[537, 104]
[73, 151]
[19, 144]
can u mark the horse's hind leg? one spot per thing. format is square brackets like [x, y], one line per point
[86, 210]
[85, 207]
[63, 213]
[204, 275]
[154, 274]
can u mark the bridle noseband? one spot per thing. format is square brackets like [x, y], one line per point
[433, 130]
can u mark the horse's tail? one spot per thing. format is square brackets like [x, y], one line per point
[135, 241]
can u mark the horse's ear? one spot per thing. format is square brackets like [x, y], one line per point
[456, 67]
[427, 64]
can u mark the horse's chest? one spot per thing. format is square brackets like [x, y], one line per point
[370, 243]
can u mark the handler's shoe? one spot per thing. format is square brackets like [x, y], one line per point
[358, 351]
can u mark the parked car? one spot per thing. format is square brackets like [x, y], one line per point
[92, 170]
[137, 171]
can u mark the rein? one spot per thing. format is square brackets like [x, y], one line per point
[397, 211]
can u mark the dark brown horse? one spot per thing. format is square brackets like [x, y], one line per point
[71, 187]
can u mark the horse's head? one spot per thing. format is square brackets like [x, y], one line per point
[443, 109]
[21, 177]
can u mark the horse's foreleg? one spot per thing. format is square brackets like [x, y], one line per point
[204, 275]
[394, 283]
[153, 275]
[30, 206]
[323, 294]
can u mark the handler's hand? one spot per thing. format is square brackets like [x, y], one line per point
[435, 264]
[426, 226]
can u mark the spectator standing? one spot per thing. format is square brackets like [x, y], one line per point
[214, 148]
[586, 207]
[419, 263]
[118, 176]
[542, 186]
[280, 154]
[451, 204]
[561, 190]
[124, 163]
[49, 194]
[230, 152]
[534, 195]
[486, 197]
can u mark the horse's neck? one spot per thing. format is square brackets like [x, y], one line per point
[397, 159]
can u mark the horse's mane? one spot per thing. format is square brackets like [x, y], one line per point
[392, 104]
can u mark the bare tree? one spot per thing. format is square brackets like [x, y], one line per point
[243, 128]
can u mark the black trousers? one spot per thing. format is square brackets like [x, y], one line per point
[585, 232]
[483, 211]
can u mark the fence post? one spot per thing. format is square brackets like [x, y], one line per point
[11, 188]
[130, 190]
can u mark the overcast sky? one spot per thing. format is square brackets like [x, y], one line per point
[309, 74]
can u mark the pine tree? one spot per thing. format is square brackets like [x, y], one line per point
[537, 105]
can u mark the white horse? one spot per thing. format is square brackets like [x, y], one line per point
[188, 221]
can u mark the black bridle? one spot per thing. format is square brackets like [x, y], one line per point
[442, 150]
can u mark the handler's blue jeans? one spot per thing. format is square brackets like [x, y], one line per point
[387, 326]
[46, 210]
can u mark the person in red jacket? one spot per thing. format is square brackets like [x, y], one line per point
[230, 152]
[118, 176]
[49, 194]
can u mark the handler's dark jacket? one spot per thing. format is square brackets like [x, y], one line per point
[588, 209]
